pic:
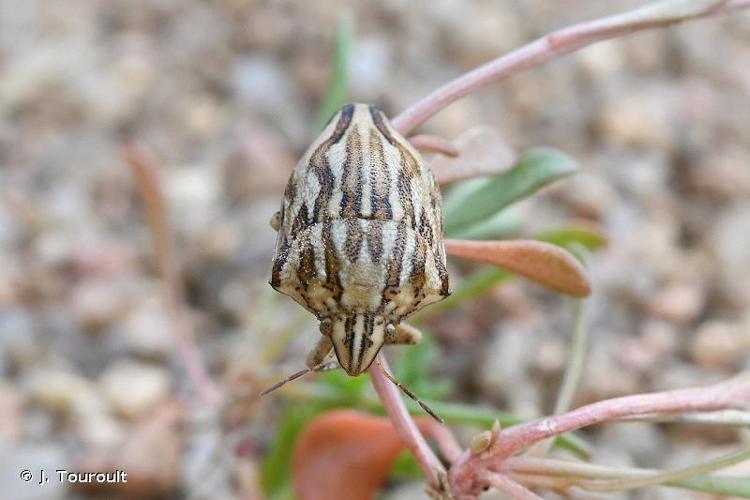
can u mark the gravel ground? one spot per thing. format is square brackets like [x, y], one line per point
[225, 94]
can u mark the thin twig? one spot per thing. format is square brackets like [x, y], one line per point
[149, 189]
[404, 424]
[562, 41]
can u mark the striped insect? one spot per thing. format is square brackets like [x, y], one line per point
[360, 240]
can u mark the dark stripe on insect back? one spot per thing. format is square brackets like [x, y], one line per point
[301, 221]
[278, 265]
[319, 161]
[365, 341]
[377, 120]
[349, 325]
[380, 180]
[417, 277]
[409, 167]
[353, 243]
[396, 262]
[332, 264]
[351, 200]
[375, 240]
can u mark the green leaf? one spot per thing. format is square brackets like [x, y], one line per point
[726, 486]
[413, 370]
[468, 204]
[338, 88]
[503, 224]
[570, 236]
[405, 467]
[348, 387]
[476, 284]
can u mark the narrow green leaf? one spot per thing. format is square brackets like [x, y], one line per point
[469, 204]
[413, 369]
[569, 236]
[503, 224]
[726, 486]
[338, 85]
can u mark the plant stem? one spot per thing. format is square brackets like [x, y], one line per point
[734, 418]
[562, 41]
[149, 189]
[573, 370]
[577, 359]
[404, 424]
[734, 393]
[506, 485]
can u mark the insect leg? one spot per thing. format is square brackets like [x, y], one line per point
[403, 334]
[320, 359]
[319, 356]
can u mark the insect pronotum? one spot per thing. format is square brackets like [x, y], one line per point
[360, 240]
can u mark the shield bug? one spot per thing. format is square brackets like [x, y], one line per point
[360, 239]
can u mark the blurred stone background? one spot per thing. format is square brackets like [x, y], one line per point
[225, 94]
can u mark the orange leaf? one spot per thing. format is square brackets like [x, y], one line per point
[345, 455]
[548, 265]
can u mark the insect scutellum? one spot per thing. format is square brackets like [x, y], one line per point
[360, 238]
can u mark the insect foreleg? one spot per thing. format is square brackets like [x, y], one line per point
[403, 334]
[322, 356]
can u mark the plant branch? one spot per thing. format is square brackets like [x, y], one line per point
[565, 40]
[405, 425]
[734, 418]
[506, 485]
[149, 189]
[731, 394]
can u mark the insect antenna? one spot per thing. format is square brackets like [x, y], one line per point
[293, 376]
[409, 393]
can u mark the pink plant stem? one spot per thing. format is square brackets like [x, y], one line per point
[404, 424]
[149, 188]
[506, 485]
[442, 435]
[734, 393]
[563, 41]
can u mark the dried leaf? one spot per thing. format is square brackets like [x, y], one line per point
[345, 455]
[543, 263]
[482, 150]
